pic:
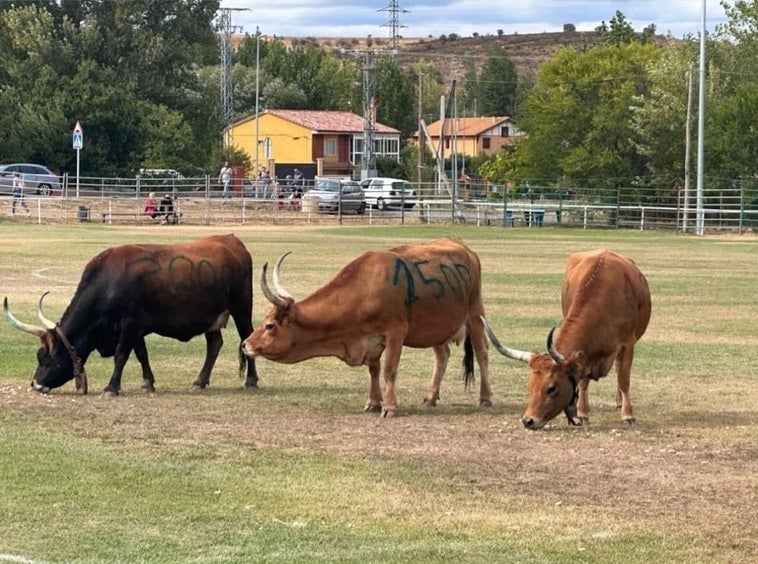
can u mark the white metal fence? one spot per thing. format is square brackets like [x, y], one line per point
[199, 202]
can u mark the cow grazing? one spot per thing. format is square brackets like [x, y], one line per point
[606, 309]
[127, 292]
[422, 295]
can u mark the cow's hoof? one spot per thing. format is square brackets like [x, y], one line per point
[372, 408]
[109, 393]
[148, 390]
[199, 385]
[251, 385]
[387, 414]
[629, 422]
[429, 402]
[578, 421]
[485, 403]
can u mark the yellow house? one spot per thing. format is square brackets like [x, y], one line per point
[473, 136]
[316, 142]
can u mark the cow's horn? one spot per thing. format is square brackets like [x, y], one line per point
[270, 296]
[523, 356]
[557, 357]
[45, 321]
[33, 329]
[280, 291]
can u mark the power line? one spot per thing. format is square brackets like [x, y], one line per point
[394, 24]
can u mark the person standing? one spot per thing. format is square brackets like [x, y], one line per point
[265, 180]
[225, 178]
[18, 194]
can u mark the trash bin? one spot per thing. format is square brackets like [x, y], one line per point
[509, 218]
[83, 214]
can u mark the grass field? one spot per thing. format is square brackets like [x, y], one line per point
[296, 472]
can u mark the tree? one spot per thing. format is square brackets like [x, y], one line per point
[497, 84]
[578, 117]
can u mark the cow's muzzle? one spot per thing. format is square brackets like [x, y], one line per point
[532, 423]
[37, 387]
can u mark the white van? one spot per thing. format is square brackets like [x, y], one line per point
[383, 193]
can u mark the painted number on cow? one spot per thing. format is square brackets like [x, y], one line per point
[439, 276]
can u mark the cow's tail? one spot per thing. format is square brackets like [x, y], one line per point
[468, 362]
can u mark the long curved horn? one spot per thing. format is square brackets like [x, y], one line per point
[45, 321]
[523, 356]
[270, 296]
[280, 291]
[25, 327]
[557, 357]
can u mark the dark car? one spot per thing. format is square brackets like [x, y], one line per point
[36, 177]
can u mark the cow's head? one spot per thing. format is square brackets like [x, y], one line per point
[552, 381]
[57, 360]
[275, 338]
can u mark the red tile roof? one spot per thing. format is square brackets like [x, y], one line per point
[329, 121]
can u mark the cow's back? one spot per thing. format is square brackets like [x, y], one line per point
[440, 283]
[606, 292]
[177, 290]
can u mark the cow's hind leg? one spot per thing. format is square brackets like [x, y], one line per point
[478, 341]
[247, 368]
[148, 379]
[213, 342]
[374, 401]
[624, 373]
[441, 356]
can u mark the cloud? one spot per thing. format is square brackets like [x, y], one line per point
[422, 18]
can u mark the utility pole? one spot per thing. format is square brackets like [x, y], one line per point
[366, 64]
[394, 11]
[226, 29]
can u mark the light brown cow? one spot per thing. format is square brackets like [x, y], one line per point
[606, 309]
[421, 296]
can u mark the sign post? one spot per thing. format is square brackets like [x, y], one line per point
[78, 142]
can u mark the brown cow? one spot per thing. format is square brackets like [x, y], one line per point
[422, 295]
[606, 309]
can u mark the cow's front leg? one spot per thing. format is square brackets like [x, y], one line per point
[148, 379]
[123, 350]
[374, 401]
[624, 373]
[392, 350]
[213, 343]
[582, 402]
[441, 356]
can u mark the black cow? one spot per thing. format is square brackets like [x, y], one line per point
[129, 291]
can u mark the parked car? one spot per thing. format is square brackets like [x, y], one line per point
[328, 194]
[36, 177]
[383, 193]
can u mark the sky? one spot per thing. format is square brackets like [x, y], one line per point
[424, 18]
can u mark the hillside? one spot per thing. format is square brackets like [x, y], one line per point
[527, 51]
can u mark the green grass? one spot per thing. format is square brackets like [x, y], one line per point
[295, 472]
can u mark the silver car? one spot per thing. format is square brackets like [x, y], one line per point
[331, 195]
[37, 178]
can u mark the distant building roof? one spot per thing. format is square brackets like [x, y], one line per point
[468, 127]
[325, 121]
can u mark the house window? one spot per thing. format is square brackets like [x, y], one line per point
[485, 142]
[505, 131]
[330, 147]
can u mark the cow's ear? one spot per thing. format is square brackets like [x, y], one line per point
[575, 363]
